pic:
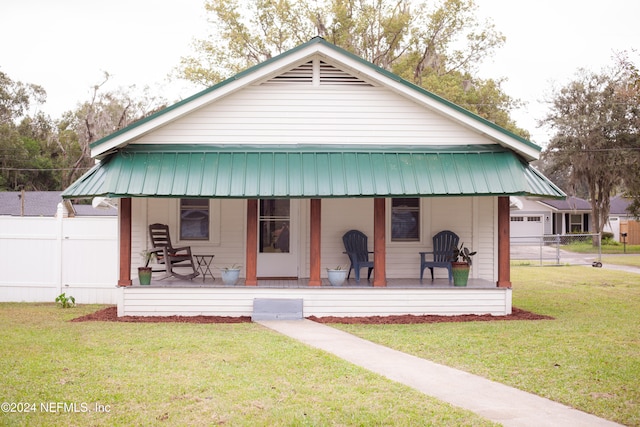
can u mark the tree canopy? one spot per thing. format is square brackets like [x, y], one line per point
[39, 153]
[438, 46]
[595, 146]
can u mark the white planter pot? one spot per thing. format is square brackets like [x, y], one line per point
[337, 277]
[230, 277]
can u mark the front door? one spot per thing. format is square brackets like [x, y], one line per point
[277, 238]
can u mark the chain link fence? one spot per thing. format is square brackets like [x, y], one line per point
[557, 249]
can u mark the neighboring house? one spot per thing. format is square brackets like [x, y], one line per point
[569, 216]
[316, 141]
[529, 219]
[45, 204]
[621, 221]
[535, 218]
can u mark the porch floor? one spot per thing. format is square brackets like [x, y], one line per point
[408, 283]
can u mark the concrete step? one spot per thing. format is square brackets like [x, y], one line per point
[276, 309]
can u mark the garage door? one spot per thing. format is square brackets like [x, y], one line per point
[523, 226]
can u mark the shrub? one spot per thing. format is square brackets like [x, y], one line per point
[65, 301]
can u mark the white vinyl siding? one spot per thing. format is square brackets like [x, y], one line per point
[325, 301]
[227, 230]
[472, 218]
[314, 115]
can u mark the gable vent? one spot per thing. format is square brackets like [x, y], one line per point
[330, 75]
[326, 73]
[302, 74]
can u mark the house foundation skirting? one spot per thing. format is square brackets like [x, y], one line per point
[317, 301]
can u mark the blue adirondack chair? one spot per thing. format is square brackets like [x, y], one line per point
[355, 245]
[443, 244]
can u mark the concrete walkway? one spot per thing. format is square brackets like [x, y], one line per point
[492, 400]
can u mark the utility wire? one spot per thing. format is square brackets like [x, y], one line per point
[43, 169]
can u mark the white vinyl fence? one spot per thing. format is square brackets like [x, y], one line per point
[42, 257]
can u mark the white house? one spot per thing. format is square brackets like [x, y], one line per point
[322, 142]
[535, 218]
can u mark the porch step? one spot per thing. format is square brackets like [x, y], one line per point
[276, 309]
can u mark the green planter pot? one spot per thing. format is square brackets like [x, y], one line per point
[460, 271]
[144, 275]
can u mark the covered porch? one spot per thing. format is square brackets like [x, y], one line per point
[468, 188]
[349, 152]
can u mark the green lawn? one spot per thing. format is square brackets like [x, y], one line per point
[630, 260]
[176, 374]
[587, 358]
[607, 248]
[243, 374]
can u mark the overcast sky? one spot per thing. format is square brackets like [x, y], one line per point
[65, 45]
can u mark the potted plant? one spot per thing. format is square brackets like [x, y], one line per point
[461, 264]
[337, 275]
[230, 274]
[144, 273]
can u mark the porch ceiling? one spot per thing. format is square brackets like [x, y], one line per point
[304, 171]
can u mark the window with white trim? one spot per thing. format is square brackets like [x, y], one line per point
[575, 223]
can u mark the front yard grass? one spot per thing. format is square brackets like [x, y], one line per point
[610, 247]
[175, 374]
[587, 358]
[630, 260]
[243, 374]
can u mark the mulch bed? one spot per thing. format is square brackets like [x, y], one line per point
[407, 319]
[110, 314]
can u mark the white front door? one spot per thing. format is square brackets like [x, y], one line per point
[278, 238]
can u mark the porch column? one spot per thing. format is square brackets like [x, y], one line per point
[504, 246]
[252, 243]
[124, 223]
[379, 243]
[314, 242]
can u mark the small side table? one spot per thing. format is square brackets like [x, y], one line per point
[204, 265]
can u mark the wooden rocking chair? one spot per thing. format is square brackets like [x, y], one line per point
[167, 255]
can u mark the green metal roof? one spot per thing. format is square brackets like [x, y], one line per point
[311, 171]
